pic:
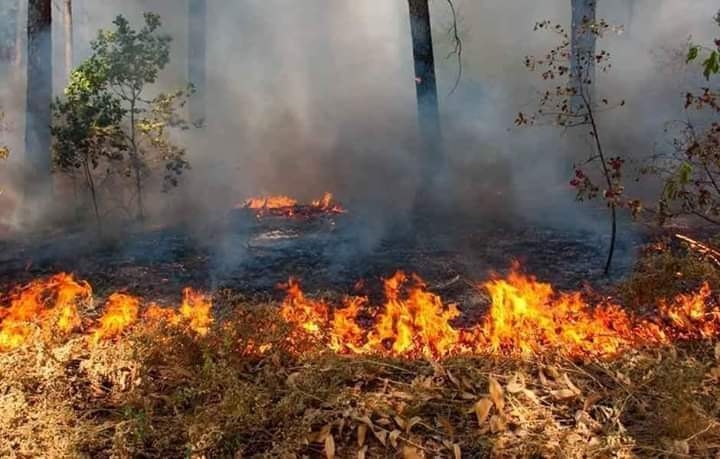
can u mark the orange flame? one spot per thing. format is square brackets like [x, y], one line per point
[288, 207]
[525, 317]
[121, 311]
[49, 305]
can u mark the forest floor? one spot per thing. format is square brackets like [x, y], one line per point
[239, 387]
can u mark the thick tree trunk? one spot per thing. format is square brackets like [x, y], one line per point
[197, 73]
[583, 42]
[426, 85]
[39, 97]
[68, 29]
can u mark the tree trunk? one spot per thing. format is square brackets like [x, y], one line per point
[39, 97]
[8, 32]
[68, 29]
[197, 43]
[583, 42]
[426, 85]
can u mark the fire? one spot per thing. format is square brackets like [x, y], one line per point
[284, 206]
[121, 312]
[525, 317]
[48, 305]
[269, 202]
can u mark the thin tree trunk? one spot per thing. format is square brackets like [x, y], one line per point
[197, 44]
[583, 42]
[426, 85]
[137, 164]
[39, 97]
[68, 28]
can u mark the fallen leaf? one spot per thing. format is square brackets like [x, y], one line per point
[457, 452]
[330, 447]
[381, 435]
[591, 400]
[515, 385]
[482, 410]
[393, 437]
[497, 424]
[496, 394]
[563, 394]
[362, 452]
[409, 452]
[361, 434]
[717, 351]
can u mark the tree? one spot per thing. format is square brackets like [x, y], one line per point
[572, 104]
[691, 171]
[105, 118]
[9, 11]
[39, 96]
[68, 29]
[197, 44]
[426, 84]
[583, 45]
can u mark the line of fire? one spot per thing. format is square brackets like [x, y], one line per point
[359, 229]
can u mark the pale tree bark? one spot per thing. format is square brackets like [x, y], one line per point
[10, 12]
[583, 43]
[68, 36]
[197, 59]
[426, 84]
[38, 98]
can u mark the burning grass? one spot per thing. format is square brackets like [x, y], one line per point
[284, 206]
[544, 374]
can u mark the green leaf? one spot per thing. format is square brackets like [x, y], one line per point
[712, 65]
[693, 53]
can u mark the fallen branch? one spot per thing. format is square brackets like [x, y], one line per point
[703, 249]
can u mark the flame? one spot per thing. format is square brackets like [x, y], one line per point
[121, 311]
[49, 305]
[285, 206]
[269, 202]
[525, 317]
[196, 311]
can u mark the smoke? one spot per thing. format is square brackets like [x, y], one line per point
[318, 95]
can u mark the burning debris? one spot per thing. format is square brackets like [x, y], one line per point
[284, 206]
[525, 317]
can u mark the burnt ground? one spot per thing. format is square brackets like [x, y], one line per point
[251, 257]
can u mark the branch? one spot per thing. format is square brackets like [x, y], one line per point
[458, 50]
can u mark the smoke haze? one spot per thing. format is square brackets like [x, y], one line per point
[318, 95]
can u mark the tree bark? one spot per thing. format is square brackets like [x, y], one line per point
[38, 97]
[426, 84]
[8, 32]
[68, 29]
[197, 67]
[583, 43]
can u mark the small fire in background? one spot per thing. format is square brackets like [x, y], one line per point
[284, 206]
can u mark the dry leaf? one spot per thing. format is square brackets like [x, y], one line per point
[330, 447]
[457, 452]
[381, 435]
[361, 452]
[531, 395]
[515, 385]
[496, 394]
[563, 394]
[412, 422]
[717, 351]
[393, 437]
[497, 424]
[591, 400]
[482, 410]
[361, 434]
[570, 385]
[400, 422]
[409, 452]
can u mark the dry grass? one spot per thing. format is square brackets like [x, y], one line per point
[163, 393]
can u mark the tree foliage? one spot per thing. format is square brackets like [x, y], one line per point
[691, 171]
[570, 102]
[105, 118]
